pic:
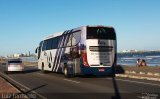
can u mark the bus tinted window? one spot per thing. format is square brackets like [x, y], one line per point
[69, 40]
[55, 42]
[76, 38]
[101, 33]
[50, 43]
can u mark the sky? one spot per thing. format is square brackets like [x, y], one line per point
[24, 23]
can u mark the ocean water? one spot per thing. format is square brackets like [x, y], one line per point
[29, 59]
[151, 58]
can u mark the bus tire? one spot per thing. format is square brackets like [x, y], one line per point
[42, 70]
[66, 72]
[112, 75]
[6, 72]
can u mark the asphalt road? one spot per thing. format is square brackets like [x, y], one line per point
[56, 86]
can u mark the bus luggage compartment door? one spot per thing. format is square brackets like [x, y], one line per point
[77, 69]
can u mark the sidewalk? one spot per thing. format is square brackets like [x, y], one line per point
[152, 69]
[147, 73]
[6, 89]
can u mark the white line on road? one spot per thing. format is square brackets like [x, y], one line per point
[139, 82]
[23, 86]
[40, 74]
[72, 81]
[64, 79]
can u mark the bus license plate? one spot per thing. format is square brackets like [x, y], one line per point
[101, 70]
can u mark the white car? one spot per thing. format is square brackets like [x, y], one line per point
[14, 65]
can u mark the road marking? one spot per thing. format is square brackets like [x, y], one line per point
[139, 82]
[72, 81]
[23, 86]
[40, 74]
[109, 78]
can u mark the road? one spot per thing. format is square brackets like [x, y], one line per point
[55, 86]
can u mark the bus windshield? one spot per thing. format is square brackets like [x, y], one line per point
[100, 33]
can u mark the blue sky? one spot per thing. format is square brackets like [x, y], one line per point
[23, 23]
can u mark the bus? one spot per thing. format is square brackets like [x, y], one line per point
[87, 50]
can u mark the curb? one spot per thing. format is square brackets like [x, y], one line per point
[137, 77]
[22, 88]
[140, 77]
[140, 73]
[143, 73]
[13, 85]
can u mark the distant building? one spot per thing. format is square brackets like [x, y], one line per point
[16, 55]
[2, 58]
[133, 51]
[127, 51]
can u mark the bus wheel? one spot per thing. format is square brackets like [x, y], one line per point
[6, 72]
[66, 72]
[111, 75]
[43, 71]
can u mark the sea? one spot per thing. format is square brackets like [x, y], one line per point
[29, 59]
[152, 58]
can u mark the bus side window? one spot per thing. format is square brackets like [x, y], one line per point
[76, 38]
[55, 42]
[69, 40]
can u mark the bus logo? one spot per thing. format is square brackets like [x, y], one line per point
[101, 42]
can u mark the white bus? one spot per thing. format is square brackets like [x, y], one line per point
[87, 50]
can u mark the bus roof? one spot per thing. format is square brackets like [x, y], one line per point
[53, 35]
[60, 33]
[72, 30]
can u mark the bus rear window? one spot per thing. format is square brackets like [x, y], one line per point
[101, 48]
[100, 33]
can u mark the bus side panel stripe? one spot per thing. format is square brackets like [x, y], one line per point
[66, 38]
[56, 55]
[54, 60]
[59, 60]
[60, 55]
